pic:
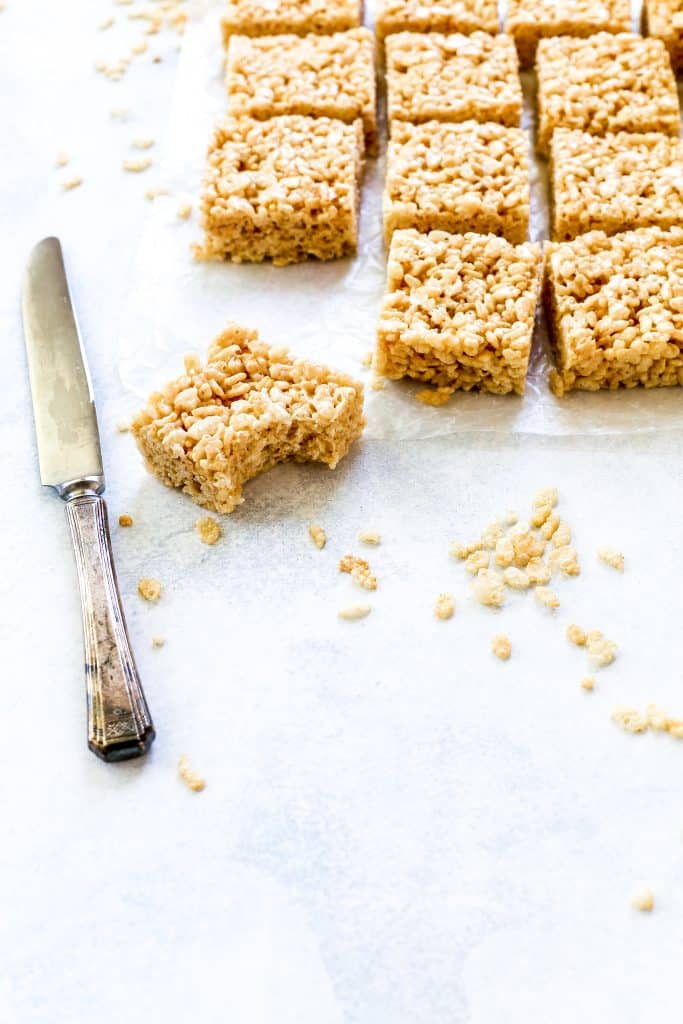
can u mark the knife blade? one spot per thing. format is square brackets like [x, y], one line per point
[69, 455]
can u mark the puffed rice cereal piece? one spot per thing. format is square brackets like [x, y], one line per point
[547, 597]
[445, 606]
[501, 646]
[612, 557]
[359, 570]
[488, 589]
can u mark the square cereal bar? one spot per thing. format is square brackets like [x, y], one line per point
[459, 311]
[436, 16]
[457, 177]
[283, 189]
[614, 183]
[245, 409]
[607, 83]
[615, 310]
[435, 77]
[297, 17]
[319, 76]
[530, 20]
[664, 19]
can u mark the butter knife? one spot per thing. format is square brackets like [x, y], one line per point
[119, 723]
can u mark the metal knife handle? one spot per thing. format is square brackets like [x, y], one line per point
[119, 723]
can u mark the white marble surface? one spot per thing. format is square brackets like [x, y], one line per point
[397, 829]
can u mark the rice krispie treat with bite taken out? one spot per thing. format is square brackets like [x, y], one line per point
[615, 310]
[606, 83]
[241, 412]
[615, 183]
[664, 20]
[457, 178]
[436, 16]
[459, 311]
[319, 76]
[436, 77]
[283, 190]
[528, 21]
[293, 17]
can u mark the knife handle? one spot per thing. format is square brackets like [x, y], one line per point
[119, 723]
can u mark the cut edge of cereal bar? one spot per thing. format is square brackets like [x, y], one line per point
[291, 17]
[464, 16]
[529, 21]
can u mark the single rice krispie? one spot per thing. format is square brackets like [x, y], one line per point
[295, 17]
[245, 409]
[664, 19]
[615, 309]
[614, 183]
[321, 76]
[459, 311]
[457, 177]
[530, 20]
[283, 189]
[436, 16]
[607, 83]
[436, 77]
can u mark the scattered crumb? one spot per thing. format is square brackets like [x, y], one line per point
[509, 517]
[488, 589]
[184, 211]
[378, 384]
[526, 547]
[209, 530]
[107, 23]
[548, 496]
[562, 536]
[367, 359]
[541, 514]
[143, 143]
[136, 166]
[576, 635]
[156, 191]
[550, 526]
[546, 597]
[643, 899]
[123, 426]
[477, 561]
[566, 560]
[630, 719]
[139, 47]
[158, 641]
[612, 557]
[156, 59]
[491, 534]
[600, 650]
[355, 611]
[359, 570]
[505, 552]
[119, 113]
[501, 646]
[371, 537]
[445, 606]
[464, 550]
[317, 535]
[149, 589]
[193, 781]
[588, 683]
[70, 183]
[516, 579]
[434, 396]
[125, 520]
[538, 571]
[61, 159]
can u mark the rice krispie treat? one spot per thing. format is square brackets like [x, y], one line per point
[458, 311]
[530, 20]
[283, 189]
[320, 76]
[245, 409]
[614, 183]
[296, 17]
[615, 310]
[607, 83]
[457, 177]
[436, 16]
[436, 77]
[664, 19]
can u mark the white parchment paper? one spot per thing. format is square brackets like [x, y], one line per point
[326, 311]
